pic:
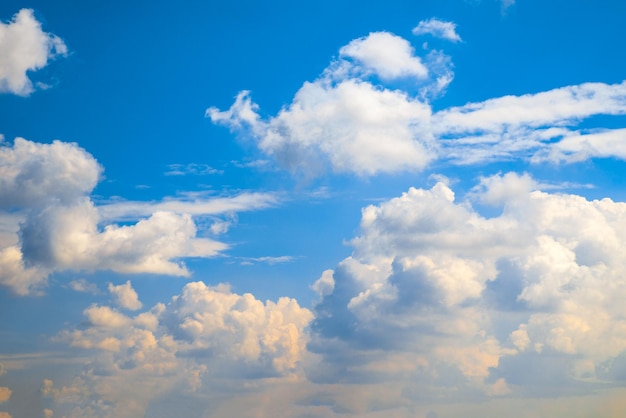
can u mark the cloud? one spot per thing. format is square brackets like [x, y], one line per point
[357, 118]
[49, 222]
[204, 338]
[353, 127]
[193, 204]
[83, 286]
[441, 300]
[267, 259]
[125, 296]
[577, 146]
[34, 174]
[387, 55]
[25, 47]
[191, 169]
[437, 28]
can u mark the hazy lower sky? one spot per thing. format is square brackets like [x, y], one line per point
[312, 209]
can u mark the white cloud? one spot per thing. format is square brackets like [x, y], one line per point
[125, 296]
[68, 238]
[466, 303]
[387, 55]
[437, 28]
[204, 339]
[194, 204]
[25, 47]
[191, 169]
[353, 127]
[49, 223]
[574, 147]
[349, 122]
[34, 174]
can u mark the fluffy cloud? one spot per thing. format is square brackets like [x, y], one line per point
[25, 47]
[203, 336]
[437, 28]
[49, 222]
[387, 55]
[357, 118]
[125, 296]
[447, 301]
[350, 126]
[34, 174]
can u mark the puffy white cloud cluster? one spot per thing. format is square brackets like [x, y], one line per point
[48, 221]
[204, 337]
[444, 299]
[362, 116]
[25, 47]
[347, 122]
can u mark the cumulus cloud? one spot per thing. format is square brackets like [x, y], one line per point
[345, 121]
[447, 301]
[354, 119]
[34, 174]
[437, 28]
[202, 336]
[49, 222]
[387, 55]
[25, 47]
[125, 296]
[352, 127]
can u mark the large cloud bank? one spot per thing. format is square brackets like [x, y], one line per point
[451, 302]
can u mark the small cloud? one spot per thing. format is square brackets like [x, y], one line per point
[28, 48]
[125, 296]
[248, 261]
[192, 169]
[83, 286]
[251, 164]
[438, 29]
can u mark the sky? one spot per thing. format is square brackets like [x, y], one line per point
[312, 209]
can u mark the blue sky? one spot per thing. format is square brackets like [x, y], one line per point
[321, 209]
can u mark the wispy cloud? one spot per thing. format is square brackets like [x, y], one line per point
[437, 28]
[191, 169]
